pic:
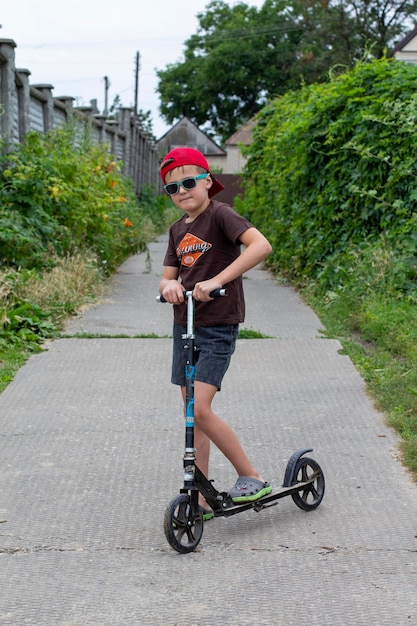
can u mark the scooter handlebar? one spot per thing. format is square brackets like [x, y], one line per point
[217, 293]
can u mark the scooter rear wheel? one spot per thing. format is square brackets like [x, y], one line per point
[183, 524]
[310, 497]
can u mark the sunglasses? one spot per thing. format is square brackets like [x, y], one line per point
[187, 183]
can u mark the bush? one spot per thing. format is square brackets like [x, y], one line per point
[61, 193]
[68, 218]
[332, 168]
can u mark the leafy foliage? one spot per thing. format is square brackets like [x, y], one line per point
[332, 169]
[379, 23]
[61, 193]
[68, 217]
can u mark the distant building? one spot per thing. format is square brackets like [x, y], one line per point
[186, 133]
[406, 49]
[242, 137]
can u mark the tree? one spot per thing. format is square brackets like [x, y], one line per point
[379, 23]
[332, 166]
[145, 120]
[241, 57]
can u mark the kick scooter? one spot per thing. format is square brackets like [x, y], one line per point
[183, 519]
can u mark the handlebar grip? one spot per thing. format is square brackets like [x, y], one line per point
[217, 293]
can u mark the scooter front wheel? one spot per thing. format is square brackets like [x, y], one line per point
[183, 524]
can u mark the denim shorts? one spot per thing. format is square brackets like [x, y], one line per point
[215, 346]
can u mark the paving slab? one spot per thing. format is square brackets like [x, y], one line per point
[91, 444]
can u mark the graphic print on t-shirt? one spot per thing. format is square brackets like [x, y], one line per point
[191, 248]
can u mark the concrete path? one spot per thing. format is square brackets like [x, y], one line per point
[91, 436]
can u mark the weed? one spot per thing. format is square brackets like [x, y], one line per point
[249, 333]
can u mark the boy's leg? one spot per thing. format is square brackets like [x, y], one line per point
[211, 426]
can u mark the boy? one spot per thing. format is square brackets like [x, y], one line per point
[204, 254]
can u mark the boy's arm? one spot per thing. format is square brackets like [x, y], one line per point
[169, 286]
[256, 250]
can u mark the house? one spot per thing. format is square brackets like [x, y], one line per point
[186, 133]
[406, 49]
[225, 164]
[235, 160]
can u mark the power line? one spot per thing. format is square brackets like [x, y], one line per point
[252, 32]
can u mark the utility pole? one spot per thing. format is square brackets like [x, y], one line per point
[106, 95]
[137, 67]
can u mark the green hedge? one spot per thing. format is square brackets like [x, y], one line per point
[332, 172]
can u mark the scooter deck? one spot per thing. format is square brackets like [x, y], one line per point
[225, 508]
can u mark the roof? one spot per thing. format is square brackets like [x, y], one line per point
[186, 133]
[401, 44]
[243, 135]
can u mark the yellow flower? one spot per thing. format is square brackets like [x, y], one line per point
[111, 167]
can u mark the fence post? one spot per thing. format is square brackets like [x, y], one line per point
[23, 101]
[48, 106]
[8, 96]
[68, 102]
[125, 114]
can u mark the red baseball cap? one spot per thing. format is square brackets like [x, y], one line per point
[188, 156]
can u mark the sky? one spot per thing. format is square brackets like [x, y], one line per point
[74, 46]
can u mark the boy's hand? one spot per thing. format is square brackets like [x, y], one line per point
[173, 292]
[203, 290]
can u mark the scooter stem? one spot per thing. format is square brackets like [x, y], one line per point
[189, 455]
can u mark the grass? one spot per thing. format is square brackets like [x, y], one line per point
[11, 360]
[72, 282]
[379, 334]
[34, 306]
[248, 333]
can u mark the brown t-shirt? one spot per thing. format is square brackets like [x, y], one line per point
[202, 249]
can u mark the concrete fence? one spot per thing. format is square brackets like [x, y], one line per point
[25, 107]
